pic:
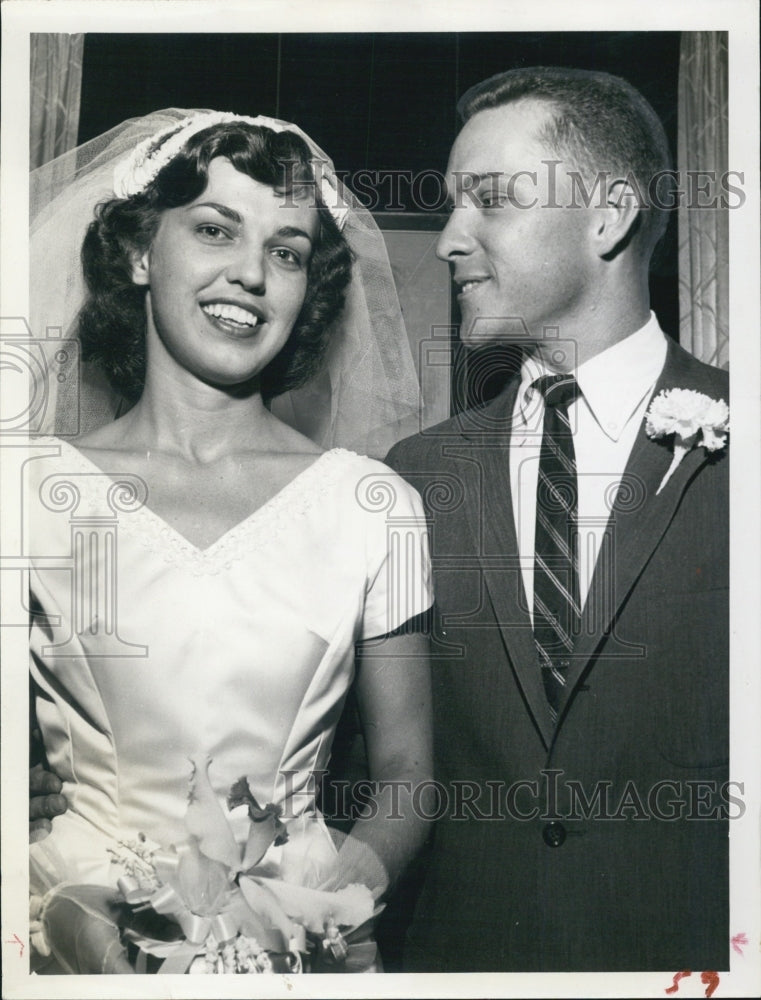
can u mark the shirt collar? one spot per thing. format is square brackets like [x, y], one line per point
[614, 382]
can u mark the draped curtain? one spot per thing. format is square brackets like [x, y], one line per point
[55, 90]
[703, 232]
[55, 86]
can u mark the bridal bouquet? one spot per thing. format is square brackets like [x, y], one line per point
[206, 906]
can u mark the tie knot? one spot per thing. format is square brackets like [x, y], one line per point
[557, 390]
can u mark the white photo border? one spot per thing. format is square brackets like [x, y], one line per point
[739, 18]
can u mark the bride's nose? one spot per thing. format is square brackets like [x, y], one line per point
[246, 267]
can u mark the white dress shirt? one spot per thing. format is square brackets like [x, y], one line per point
[616, 386]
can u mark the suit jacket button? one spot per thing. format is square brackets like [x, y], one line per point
[554, 834]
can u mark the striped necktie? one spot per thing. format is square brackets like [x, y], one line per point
[557, 608]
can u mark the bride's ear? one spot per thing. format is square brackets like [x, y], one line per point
[140, 267]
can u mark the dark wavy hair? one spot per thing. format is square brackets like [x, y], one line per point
[112, 321]
[597, 122]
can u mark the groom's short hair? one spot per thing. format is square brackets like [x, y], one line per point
[598, 122]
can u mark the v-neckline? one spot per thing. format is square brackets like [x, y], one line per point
[276, 502]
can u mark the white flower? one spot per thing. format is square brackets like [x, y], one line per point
[686, 413]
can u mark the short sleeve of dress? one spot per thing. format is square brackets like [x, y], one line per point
[398, 557]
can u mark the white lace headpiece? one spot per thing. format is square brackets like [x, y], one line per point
[135, 172]
[366, 397]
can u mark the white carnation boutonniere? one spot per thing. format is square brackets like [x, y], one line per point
[686, 414]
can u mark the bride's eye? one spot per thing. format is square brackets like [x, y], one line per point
[211, 233]
[287, 256]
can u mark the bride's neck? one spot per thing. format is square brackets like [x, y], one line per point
[198, 420]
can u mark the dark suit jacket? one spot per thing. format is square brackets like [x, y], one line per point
[565, 850]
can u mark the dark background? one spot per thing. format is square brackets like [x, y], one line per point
[383, 101]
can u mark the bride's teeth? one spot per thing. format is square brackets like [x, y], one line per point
[222, 310]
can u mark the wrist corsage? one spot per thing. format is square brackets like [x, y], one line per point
[686, 414]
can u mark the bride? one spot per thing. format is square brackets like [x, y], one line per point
[201, 569]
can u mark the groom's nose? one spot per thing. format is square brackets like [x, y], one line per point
[457, 238]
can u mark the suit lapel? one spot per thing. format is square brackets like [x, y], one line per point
[637, 523]
[492, 524]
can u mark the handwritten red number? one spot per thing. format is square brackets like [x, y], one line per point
[677, 977]
[711, 979]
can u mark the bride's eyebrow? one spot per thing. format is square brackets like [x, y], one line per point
[228, 213]
[293, 231]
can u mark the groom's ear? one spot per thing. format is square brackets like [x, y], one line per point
[141, 268]
[618, 219]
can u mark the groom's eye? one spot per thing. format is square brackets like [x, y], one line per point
[495, 194]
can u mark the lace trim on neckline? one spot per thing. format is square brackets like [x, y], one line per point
[264, 524]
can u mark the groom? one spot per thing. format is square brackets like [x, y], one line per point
[581, 635]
